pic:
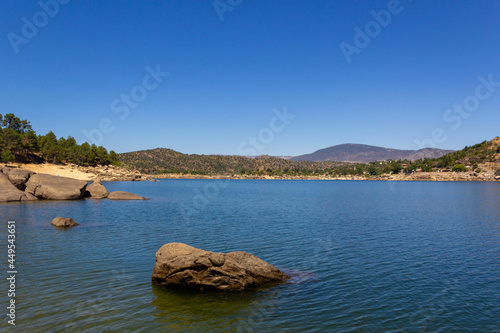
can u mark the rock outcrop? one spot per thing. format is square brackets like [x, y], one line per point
[8, 192]
[55, 188]
[122, 195]
[112, 173]
[183, 266]
[96, 191]
[17, 177]
[63, 222]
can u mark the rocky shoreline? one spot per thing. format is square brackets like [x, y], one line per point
[111, 173]
[70, 182]
[417, 176]
[18, 184]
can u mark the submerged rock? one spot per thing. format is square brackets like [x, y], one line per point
[183, 266]
[55, 188]
[63, 222]
[122, 195]
[96, 191]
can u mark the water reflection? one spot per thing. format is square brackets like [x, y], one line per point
[190, 310]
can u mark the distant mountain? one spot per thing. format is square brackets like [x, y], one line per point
[364, 154]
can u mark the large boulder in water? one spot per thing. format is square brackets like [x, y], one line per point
[17, 177]
[96, 191]
[183, 266]
[63, 222]
[122, 195]
[8, 192]
[55, 188]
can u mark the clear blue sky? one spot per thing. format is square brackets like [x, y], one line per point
[227, 76]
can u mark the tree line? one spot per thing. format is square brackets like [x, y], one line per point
[20, 143]
[161, 160]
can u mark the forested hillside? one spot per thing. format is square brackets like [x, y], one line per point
[161, 160]
[484, 153]
[20, 143]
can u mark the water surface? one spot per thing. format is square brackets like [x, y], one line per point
[364, 256]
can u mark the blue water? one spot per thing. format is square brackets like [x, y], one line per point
[364, 256]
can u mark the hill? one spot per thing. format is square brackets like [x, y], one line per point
[163, 160]
[358, 153]
[481, 161]
[484, 155]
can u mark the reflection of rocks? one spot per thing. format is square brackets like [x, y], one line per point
[180, 265]
[181, 309]
[96, 191]
[63, 222]
[8, 192]
[55, 188]
[122, 195]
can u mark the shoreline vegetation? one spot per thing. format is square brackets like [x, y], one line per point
[20, 143]
[22, 148]
[423, 176]
[114, 173]
[480, 162]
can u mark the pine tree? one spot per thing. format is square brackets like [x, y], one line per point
[7, 156]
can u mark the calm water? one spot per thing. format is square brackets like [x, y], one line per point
[364, 256]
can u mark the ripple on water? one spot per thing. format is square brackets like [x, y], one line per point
[362, 258]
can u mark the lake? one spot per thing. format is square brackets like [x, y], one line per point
[364, 257]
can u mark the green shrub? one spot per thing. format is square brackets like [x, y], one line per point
[497, 173]
[7, 156]
[397, 169]
[373, 171]
[459, 168]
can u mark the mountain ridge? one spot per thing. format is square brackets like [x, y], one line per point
[362, 153]
[480, 161]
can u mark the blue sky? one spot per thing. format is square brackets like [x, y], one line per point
[231, 64]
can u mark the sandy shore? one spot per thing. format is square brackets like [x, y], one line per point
[69, 171]
[102, 173]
